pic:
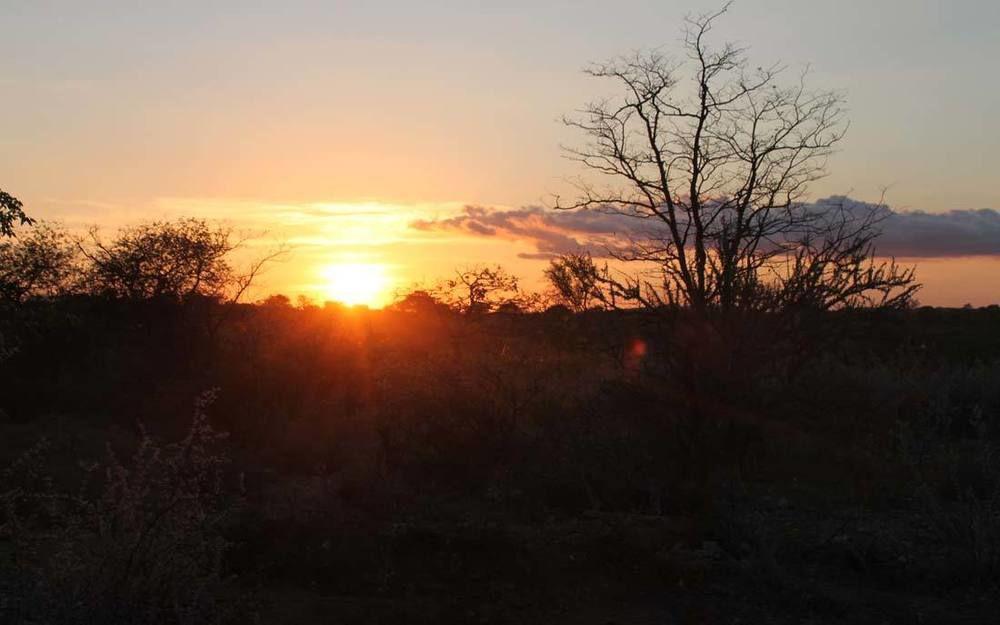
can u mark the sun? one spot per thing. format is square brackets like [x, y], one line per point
[356, 283]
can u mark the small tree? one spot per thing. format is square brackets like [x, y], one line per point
[716, 163]
[11, 214]
[479, 289]
[162, 259]
[417, 301]
[170, 259]
[580, 284]
[41, 263]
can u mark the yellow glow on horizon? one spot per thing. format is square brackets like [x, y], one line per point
[356, 283]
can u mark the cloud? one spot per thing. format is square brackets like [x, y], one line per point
[949, 234]
[551, 232]
[910, 234]
[921, 234]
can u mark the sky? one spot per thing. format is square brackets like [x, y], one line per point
[337, 126]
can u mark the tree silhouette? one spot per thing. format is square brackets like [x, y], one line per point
[580, 284]
[11, 213]
[162, 259]
[177, 259]
[42, 263]
[479, 289]
[418, 301]
[716, 164]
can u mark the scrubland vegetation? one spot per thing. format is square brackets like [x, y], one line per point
[757, 425]
[189, 459]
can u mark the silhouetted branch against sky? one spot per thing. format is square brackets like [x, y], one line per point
[11, 214]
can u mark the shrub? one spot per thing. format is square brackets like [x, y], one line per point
[140, 541]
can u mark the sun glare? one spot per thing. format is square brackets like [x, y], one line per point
[356, 284]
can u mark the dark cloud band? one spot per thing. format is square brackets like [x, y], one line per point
[909, 234]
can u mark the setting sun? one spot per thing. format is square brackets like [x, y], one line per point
[356, 283]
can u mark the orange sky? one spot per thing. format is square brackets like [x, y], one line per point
[331, 242]
[334, 125]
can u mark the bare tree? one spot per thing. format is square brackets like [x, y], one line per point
[716, 157]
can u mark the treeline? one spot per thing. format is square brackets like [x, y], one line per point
[177, 259]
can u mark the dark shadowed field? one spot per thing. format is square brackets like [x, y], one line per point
[314, 465]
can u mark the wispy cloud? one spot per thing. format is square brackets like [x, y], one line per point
[911, 234]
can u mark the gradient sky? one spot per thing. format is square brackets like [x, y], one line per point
[335, 124]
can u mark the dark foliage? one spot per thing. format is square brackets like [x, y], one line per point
[533, 467]
[11, 214]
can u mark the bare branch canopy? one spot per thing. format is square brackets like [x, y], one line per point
[716, 156]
